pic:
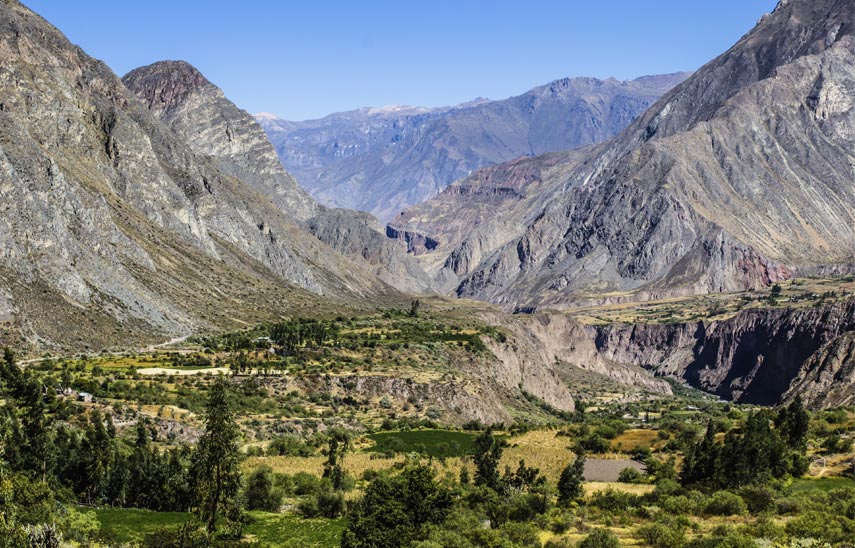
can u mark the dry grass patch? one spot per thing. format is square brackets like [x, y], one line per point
[637, 438]
[541, 449]
[637, 489]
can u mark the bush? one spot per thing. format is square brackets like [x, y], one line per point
[725, 503]
[758, 499]
[260, 493]
[630, 475]
[600, 538]
[816, 525]
[659, 535]
[677, 505]
[290, 446]
[614, 501]
[666, 487]
[305, 483]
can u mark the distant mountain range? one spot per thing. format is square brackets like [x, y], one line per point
[739, 177]
[382, 160]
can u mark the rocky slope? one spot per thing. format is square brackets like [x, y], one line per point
[383, 160]
[112, 223]
[762, 356]
[200, 114]
[738, 177]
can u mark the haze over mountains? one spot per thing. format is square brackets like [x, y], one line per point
[384, 160]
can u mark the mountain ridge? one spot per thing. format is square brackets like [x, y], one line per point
[380, 160]
[712, 189]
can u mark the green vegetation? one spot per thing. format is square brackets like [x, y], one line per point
[234, 451]
[432, 443]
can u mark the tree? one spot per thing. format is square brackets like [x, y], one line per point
[793, 421]
[215, 474]
[570, 481]
[339, 443]
[396, 511]
[488, 453]
[32, 425]
[260, 493]
[414, 308]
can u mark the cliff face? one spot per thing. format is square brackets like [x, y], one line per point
[758, 356]
[200, 114]
[384, 160]
[737, 178]
[111, 222]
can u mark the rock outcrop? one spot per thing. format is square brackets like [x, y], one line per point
[384, 160]
[200, 114]
[761, 356]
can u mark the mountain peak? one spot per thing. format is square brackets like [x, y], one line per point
[166, 83]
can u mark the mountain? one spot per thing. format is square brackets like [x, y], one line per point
[737, 178]
[112, 223]
[214, 127]
[199, 112]
[383, 160]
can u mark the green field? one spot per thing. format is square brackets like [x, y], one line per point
[295, 532]
[801, 485]
[128, 525]
[435, 443]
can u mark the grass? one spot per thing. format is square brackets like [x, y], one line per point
[801, 485]
[295, 532]
[434, 443]
[128, 525]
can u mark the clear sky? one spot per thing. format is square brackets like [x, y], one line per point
[307, 59]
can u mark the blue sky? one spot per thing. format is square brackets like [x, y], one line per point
[307, 59]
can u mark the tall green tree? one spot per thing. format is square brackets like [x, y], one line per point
[396, 511]
[31, 423]
[215, 472]
[338, 444]
[570, 481]
[793, 422]
[488, 453]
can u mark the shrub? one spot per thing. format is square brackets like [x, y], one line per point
[600, 538]
[659, 535]
[816, 525]
[260, 492]
[725, 503]
[666, 487]
[757, 498]
[630, 475]
[305, 483]
[613, 500]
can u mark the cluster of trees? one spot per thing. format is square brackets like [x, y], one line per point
[62, 463]
[769, 445]
[495, 509]
[293, 335]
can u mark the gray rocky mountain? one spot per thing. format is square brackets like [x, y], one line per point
[214, 127]
[383, 160]
[110, 222]
[198, 111]
[738, 177]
